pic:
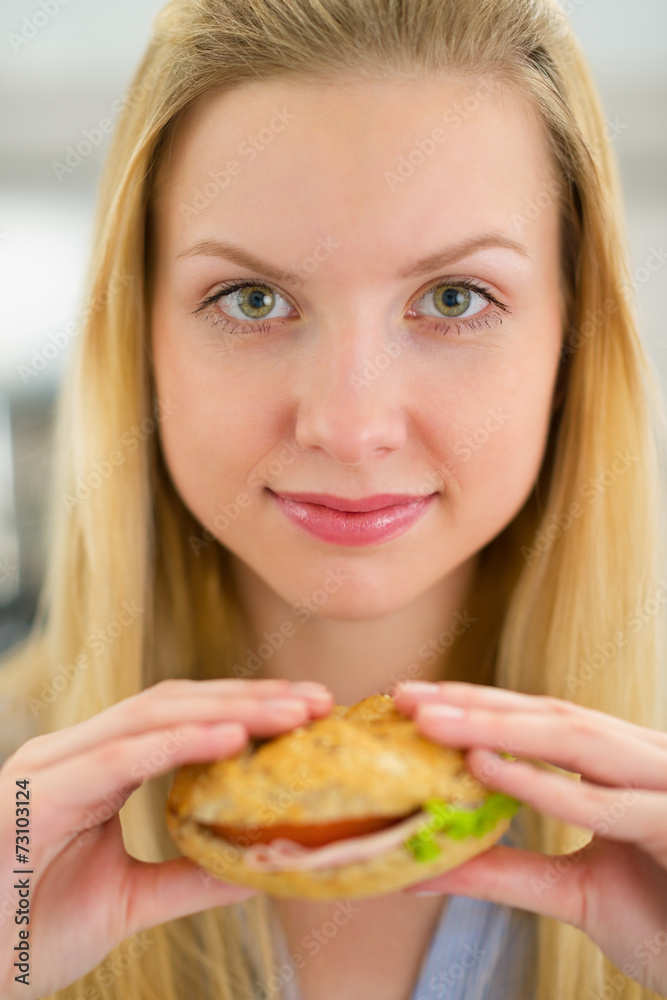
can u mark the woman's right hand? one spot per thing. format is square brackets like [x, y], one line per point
[86, 893]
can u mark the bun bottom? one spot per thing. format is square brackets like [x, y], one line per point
[379, 876]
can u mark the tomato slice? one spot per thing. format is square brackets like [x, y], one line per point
[309, 835]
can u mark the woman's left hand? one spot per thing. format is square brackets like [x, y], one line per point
[614, 888]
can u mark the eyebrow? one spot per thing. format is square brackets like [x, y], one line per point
[474, 244]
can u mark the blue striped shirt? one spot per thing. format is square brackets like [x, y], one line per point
[479, 951]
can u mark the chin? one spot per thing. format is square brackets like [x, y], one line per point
[361, 609]
[356, 600]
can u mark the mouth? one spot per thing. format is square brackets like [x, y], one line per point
[353, 522]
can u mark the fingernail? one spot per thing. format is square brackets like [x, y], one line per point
[441, 711]
[422, 892]
[311, 689]
[418, 687]
[284, 706]
[231, 729]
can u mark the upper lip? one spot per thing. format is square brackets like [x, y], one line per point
[375, 502]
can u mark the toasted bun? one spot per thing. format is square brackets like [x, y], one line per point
[360, 762]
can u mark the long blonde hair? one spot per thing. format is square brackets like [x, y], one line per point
[128, 599]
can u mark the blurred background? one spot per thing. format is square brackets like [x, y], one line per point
[65, 68]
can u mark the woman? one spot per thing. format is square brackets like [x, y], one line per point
[360, 399]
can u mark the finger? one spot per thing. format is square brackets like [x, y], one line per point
[165, 705]
[409, 694]
[632, 815]
[578, 742]
[80, 793]
[512, 877]
[163, 891]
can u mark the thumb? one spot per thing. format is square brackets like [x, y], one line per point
[165, 890]
[540, 883]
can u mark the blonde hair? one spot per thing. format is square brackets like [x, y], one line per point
[129, 600]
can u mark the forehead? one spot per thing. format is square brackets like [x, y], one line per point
[386, 161]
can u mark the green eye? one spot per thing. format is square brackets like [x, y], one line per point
[452, 300]
[256, 301]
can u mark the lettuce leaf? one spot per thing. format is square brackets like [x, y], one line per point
[458, 823]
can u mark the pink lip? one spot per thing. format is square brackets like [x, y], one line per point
[366, 521]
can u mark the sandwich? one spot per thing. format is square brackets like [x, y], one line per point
[358, 803]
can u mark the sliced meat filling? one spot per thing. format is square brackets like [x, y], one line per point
[321, 845]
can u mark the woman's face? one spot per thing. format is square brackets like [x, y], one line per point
[398, 331]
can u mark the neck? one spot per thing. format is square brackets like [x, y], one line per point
[355, 658]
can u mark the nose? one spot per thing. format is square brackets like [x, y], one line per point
[350, 402]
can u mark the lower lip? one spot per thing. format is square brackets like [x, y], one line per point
[342, 527]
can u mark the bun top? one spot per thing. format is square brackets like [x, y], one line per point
[367, 760]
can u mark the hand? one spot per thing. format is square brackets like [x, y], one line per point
[615, 887]
[87, 894]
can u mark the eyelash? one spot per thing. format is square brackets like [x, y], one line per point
[438, 326]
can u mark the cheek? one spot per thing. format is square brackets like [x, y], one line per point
[494, 431]
[218, 433]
